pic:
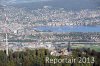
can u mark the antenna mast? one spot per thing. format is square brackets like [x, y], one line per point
[7, 48]
[7, 44]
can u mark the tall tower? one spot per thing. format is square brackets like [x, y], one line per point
[7, 44]
[5, 26]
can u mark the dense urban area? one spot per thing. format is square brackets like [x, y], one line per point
[28, 46]
[19, 24]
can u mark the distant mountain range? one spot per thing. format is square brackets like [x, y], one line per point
[67, 4]
[7, 2]
[1, 6]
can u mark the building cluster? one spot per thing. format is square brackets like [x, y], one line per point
[46, 40]
[49, 16]
[18, 20]
[18, 24]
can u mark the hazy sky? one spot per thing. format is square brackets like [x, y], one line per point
[33, 0]
[19, 1]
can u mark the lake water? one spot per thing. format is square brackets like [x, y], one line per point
[68, 28]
